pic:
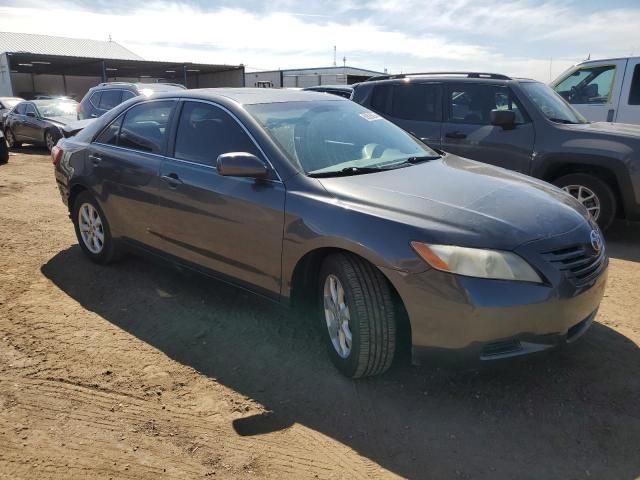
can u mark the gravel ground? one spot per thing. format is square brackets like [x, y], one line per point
[137, 370]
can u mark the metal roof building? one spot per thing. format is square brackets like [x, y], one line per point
[43, 64]
[308, 77]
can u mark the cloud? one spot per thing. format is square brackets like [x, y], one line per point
[517, 38]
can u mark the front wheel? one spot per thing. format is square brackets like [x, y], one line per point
[358, 316]
[50, 140]
[92, 229]
[595, 194]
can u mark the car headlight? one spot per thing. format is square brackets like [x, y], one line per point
[477, 262]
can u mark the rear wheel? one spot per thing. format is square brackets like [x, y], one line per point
[595, 194]
[92, 229]
[11, 139]
[358, 316]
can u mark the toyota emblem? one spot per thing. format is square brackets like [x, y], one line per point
[596, 240]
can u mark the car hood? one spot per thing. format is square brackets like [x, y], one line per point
[62, 120]
[459, 201]
[624, 129]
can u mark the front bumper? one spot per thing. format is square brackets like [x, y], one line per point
[492, 319]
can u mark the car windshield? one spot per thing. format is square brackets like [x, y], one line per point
[327, 137]
[56, 108]
[552, 105]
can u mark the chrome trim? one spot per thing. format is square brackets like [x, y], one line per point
[117, 147]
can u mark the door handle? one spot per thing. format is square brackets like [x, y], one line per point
[93, 115]
[458, 135]
[95, 159]
[172, 179]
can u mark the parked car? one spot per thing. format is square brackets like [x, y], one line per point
[102, 98]
[603, 90]
[38, 122]
[340, 90]
[312, 200]
[522, 125]
[6, 104]
[4, 149]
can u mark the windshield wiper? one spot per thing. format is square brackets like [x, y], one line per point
[412, 161]
[345, 172]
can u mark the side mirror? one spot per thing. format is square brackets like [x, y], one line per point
[503, 118]
[31, 114]
[241, 164]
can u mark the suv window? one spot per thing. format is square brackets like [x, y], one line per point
[416, 101]
[206, 131]
[95, 99]
[381, 98]
[110, 99]
[109, 135]
[144, 126]
[473, 103]
[634, 93]
[588, 85]
[127, 94]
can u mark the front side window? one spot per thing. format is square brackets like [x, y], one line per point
[109, 136]
[110, 99]
[416, 101]
[127, 94]
[328, 137]
[19, 110]
[206, 131]
[472, 103]
[588, 85]
[30, 109]
[145, 126]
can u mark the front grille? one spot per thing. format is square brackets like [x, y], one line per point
[580, 263]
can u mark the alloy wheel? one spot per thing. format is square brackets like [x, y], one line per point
[91, 228]
[48, 138]
[10, 138]
[337, 317]
[586, 197]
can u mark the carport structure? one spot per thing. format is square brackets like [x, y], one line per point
[39, 64]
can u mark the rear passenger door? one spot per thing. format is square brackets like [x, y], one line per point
[468, 132]
[415, 107]
[125, 159]
[230, 225]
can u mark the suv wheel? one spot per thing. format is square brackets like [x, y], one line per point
[11, 139]
[92, 229]
[357, 315]
[597, 197]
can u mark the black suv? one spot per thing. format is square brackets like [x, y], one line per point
[102, 98]
[518, 124]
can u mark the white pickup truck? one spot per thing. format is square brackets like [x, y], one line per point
[603, 90]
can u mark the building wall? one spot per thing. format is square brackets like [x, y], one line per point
[252, 79]
[227, 78]
[302, 81]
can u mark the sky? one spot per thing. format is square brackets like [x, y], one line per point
[529, 38]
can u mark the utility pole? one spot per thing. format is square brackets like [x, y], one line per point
[334, 55]
[344, 61]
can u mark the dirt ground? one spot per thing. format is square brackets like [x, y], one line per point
[139, 371]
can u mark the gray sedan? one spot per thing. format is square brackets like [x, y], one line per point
[314, 201]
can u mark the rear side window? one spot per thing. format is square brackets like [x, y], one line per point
[381, 98]
[634, 93]
[206, 131]
[110, 99]
[145, 126]
[19, 110]
[109, 135]
[417, 101]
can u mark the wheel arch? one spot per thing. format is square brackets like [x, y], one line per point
[301, 294]
[75, 190]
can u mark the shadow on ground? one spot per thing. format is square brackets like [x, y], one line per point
[623, 241]
[573, 413]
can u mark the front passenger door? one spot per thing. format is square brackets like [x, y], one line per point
[468, 131]
[229, 225]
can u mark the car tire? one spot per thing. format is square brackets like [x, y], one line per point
[363, 298]
[11, 139]
[50, 139]
[92, 230]
[584, 185]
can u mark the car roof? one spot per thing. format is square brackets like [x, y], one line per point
[330, 87]
[249, 96]
[461, 77]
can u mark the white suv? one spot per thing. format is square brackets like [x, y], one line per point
[603, 90]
